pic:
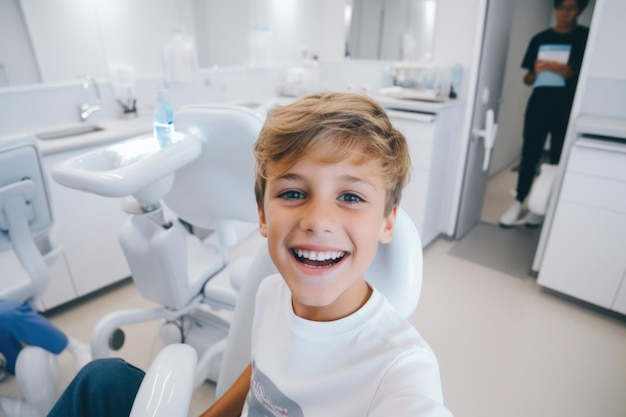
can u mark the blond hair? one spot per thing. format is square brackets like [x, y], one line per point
[344, 123]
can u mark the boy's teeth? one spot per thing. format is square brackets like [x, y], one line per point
[318, 256]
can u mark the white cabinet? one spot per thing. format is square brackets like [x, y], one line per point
[586, 252]
[419, 135]
[428, 196]
[86, 225]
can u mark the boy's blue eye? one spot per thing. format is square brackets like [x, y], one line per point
[292, 195]
[350, 198]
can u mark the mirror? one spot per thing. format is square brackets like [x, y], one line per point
[62, 40]
[394, 30]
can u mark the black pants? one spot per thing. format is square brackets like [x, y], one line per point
[547, 111]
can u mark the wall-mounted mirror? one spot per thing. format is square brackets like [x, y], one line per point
[65, 39]
[391, 29]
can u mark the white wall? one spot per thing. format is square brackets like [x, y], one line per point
[53, 27]
[455, 32]
[607, 58]
[133, 32]
[76, 37]
[17, 62]
[604, 90]
[230, 18]
[313, 25]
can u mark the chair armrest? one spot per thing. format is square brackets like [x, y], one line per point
[168, 385]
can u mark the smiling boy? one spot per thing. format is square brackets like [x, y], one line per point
[329, 176]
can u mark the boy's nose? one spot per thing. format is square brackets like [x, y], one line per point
[318, 218]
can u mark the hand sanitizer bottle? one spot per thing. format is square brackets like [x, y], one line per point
[163, 120]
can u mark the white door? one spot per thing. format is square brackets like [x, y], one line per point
[496, 32]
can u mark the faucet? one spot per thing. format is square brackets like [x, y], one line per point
[86, 109]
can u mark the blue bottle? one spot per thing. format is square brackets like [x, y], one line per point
[163, 120]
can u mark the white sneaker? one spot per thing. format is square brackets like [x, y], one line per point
[533, 220]
[513, 216]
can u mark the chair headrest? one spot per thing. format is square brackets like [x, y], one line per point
[396, 270]
[219, 184]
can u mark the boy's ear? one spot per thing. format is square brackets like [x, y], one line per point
[262, 222]
[389, 222]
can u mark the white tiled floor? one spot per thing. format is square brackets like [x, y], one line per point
[505, 346]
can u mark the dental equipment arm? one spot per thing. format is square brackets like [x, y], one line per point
[16, 215]
[24, 213]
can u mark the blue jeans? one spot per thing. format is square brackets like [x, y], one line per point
[102, 388]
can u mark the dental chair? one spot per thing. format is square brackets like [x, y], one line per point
[25, 221]
[204, 177]
[166, 390]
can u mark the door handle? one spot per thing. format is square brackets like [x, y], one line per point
[489, 136]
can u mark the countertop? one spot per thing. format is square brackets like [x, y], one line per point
[601, 126]
[113, 130]
[420, 106]
[389, 103]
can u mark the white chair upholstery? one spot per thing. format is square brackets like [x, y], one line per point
[396, 271]
[168, 385]
[211, 192]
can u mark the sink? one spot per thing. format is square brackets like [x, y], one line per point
[68, 132]
[138, 166]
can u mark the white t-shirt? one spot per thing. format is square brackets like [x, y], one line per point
[371, 363]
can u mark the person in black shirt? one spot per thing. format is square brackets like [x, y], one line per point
[553, 61]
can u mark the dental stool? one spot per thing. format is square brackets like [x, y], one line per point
[166, 390]
[205, 177]
[25, 220]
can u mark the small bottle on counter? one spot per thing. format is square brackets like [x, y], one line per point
[163, 120]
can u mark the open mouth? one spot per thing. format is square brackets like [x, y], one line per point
[314, 259]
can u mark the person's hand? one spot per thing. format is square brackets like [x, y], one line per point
[554, 66]
[529, 78]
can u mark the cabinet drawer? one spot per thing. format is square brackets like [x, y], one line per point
[419, 137]
[595, 192]
[599, 159]
[586, 254]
